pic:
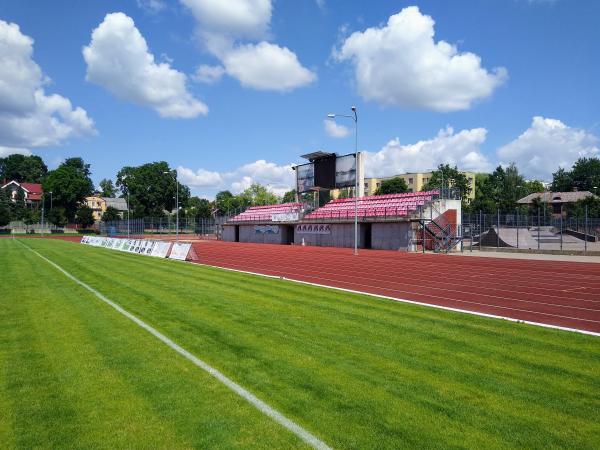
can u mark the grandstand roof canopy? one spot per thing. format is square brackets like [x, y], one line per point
[317, 155]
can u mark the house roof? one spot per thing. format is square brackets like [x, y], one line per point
[556, 197]
[34, 190]
[117, 203]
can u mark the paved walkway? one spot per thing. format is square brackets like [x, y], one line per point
[535, 256]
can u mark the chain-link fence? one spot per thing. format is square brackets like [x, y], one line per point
[188, 227]
[536, 232]
[152, 226]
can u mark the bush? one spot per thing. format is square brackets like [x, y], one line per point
[110, 214]
[57, 217]
[84, 216]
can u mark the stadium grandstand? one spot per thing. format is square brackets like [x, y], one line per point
[410, 222]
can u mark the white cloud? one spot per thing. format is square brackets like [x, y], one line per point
[232, 18]
[266, 66]
[546, 145]
[199, 178]
[401, 64]
[118, 60]
[279, 179]
[461, 149]
[29, 117]
[321, 3]
[263, 65]
[334, 129]
[151, 6]
[5, 151]
[208, 74]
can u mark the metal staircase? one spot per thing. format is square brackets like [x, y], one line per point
[438, 232]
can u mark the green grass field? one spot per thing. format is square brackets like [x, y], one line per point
[356, 371]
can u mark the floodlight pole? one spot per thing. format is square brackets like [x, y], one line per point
[355, 118]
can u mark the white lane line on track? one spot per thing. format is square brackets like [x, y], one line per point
[303, 434]
[439, 296]
[404, 282]
[403, 300]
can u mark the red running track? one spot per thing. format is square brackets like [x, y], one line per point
[558, 293]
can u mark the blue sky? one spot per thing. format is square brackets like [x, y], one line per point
[472, 83]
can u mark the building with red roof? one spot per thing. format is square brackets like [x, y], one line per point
[32, 192]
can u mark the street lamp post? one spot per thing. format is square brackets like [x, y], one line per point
[50, 192]
[43, 201]
[127, 187]
[176, 203]
[354, 117]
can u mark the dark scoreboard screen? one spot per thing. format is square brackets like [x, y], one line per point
[329, 172]
[325, 172]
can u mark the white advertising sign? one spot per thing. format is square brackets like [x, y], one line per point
[180, 251]
[284, 217]
[160, 249]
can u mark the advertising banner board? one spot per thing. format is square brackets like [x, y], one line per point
[180, 251]
[160, 249]
[284, 217]
[319, 228]
[266, 229]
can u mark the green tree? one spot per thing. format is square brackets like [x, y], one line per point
[395, 185]
[70, 184]
[289, 196]
[449, 177]
[561, 181]
[585, 175]
[79, 165]
[107, 188]
[111, 214]
[18, 207]
[57, 216]
[24, 169]
[84, 216]
[259, 195]
[5, 216]
[578, 208]
[501, 190]
[198, 208]
[31, 217]
[227, 203]
[152, 188]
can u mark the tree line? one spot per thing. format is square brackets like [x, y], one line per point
[151, 190]
[501, 189]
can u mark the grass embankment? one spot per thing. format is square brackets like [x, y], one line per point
[358, 372]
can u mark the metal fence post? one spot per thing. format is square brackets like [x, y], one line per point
[480, 230]
[517, 228]
[471, 233]
[498, 231]
[538, 239]
[423, 225]
[561, 227]
[586, 230]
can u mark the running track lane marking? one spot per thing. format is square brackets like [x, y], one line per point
[403, 300]
[303, 434]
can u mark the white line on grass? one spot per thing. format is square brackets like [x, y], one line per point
[303, 434]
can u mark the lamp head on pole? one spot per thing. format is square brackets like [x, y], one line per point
[353, 109]
[331, 116]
